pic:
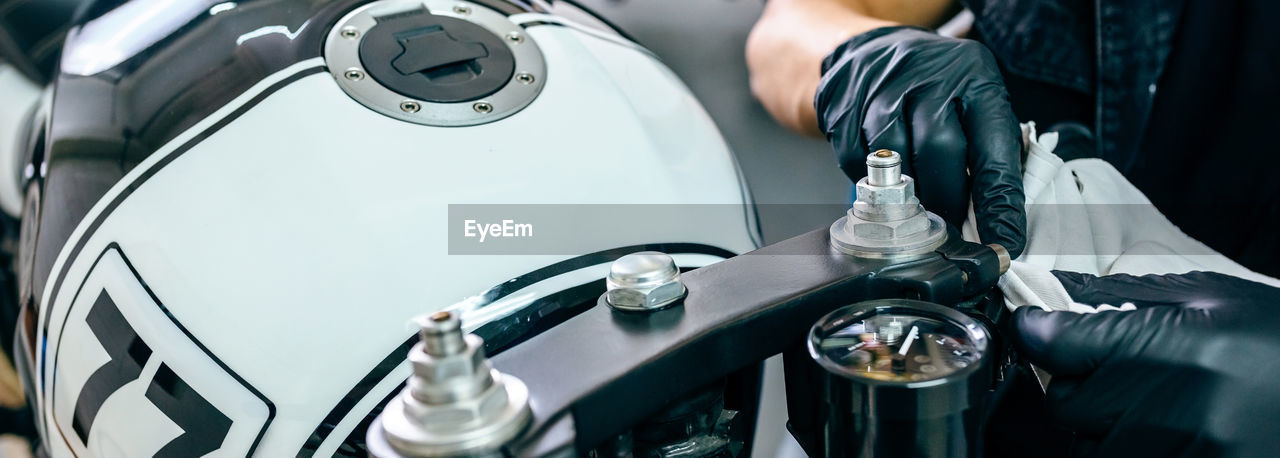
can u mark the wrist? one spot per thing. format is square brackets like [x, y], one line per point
[785, 50]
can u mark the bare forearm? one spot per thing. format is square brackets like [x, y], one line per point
[787, 45]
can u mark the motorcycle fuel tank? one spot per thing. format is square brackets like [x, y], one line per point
[225, 260]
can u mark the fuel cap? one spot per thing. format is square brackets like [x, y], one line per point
[435, 62]
[436, 58]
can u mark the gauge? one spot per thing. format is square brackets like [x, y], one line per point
[897, 342]
[902, 378]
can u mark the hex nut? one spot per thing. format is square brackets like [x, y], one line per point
[887, 203]
[647, 280]
[900, 193]
[891, 230]
[462, 413]
[651, 297]
[450, 415]
[456, 414]
[440, 370]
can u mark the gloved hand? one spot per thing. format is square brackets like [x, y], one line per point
[942, 104]
[1194, 371]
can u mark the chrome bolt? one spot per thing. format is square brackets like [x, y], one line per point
[462, 9]
[354, 74]
[884, 168]
[409, 106]
[482, 107]
[515, 37]
[441, 334]
[886, 220]
[455, 402]
[644, 281]
[350, 32]
[524, 78]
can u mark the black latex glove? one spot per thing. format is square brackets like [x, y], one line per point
[1195, 371]
[942, 104]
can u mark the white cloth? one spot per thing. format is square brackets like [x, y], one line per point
[1084, 216]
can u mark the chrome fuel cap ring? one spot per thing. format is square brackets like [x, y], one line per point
[473, 34]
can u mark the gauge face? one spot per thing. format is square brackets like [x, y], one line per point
[897, 341]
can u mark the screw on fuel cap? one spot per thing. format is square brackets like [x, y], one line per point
[436, 58]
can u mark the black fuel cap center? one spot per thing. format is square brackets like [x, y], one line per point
[436, 58]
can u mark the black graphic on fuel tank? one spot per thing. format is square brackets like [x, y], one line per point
[204, 427]
[128, 354]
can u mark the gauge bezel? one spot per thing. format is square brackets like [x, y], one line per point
[977, 334]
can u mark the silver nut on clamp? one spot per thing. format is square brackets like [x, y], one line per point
[455, 404]
[887, 220]
[644, 281]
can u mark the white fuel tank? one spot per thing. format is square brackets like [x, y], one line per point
[247, 289]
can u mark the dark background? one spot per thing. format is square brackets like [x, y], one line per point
[795, 179]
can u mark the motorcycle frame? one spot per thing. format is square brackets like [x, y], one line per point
[602, 371]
